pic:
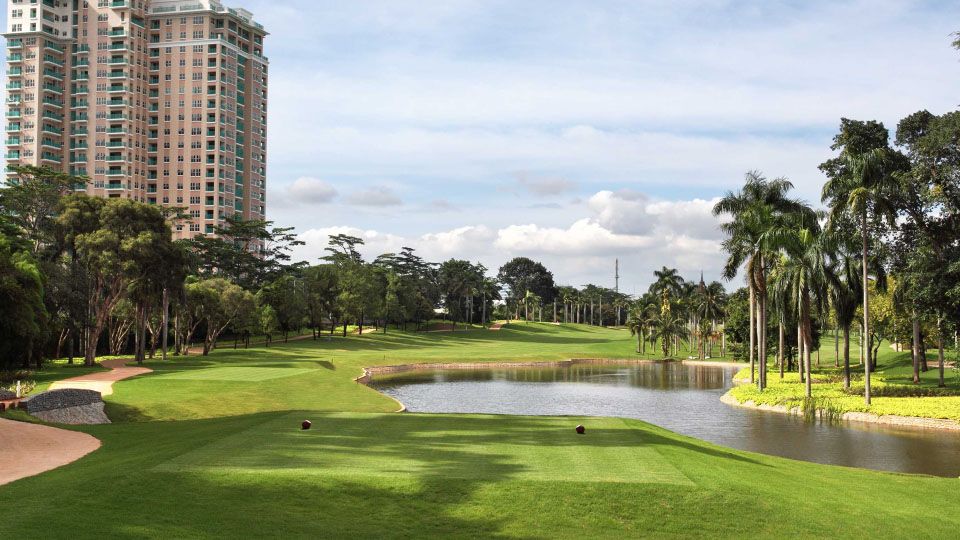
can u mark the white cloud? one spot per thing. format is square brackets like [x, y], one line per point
[312, 190]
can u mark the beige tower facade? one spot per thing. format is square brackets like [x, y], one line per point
[161, 101]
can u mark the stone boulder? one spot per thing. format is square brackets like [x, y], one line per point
[6, 395]
[67, 406]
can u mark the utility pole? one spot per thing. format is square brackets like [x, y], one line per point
[616, 276]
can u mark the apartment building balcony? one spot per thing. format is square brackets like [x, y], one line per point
[117, 103]
[13, 128]
[14, 85]
[46, 156]
[13, 114]
[14, 72]
[53, 46]
[114, 185]
[117, 75]
[15, 58]
[117, 88]
[118, 32]
[120, 4]
[115, 171]
[117, 131]
[116, 144]
[81, 49]
[53, 88]
[118, 61]
[13, 141]
[121, 46]
[51, 102]
[79, 103]
[14, 43]
[53, 74]
[14, 154]
[114, 159]
[47, 59]
[51, 144]
[51, 129]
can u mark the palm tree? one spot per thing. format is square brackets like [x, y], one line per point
[758, 210]
[708, 310]
[667, 328]
[864, 192]
[639, 318]
[805, 275]
[845, 294]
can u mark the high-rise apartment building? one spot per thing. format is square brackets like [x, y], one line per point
[161, 101]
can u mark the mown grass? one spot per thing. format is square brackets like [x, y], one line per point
[230, 461]
[893, 391]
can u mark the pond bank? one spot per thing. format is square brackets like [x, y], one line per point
[914, 422]
[373, 371]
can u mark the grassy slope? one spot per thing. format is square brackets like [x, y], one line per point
[385, 475]
[893, 378]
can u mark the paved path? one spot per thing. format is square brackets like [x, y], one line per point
[103, 382]
[496, 326]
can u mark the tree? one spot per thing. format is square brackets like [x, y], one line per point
[22, 312]
[31, 199]
[667, 329]
[113, 239]
[286, 295]
[639, 318]
[758, 211]
[521, 275]
[247, 252]
[804, 274]
[860, 189]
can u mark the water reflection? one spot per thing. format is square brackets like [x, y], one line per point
[682, 398]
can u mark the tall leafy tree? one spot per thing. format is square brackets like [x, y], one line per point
[861, 189]
[757, 211]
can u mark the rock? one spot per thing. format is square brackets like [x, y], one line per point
[82, 414]
[6, 395]
[60, 399]
[581, 430]
[67, 406]
[305, 425]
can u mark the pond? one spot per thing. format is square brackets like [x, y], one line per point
[681, 398]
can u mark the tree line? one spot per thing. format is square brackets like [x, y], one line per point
[881, 257]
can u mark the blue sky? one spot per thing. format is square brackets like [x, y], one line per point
[574, 132]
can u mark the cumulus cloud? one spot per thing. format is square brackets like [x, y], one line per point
[312, 190]
[585, 236]
[375, 196]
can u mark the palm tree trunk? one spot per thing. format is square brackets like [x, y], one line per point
[753, 306]
[763, 341]
[780, 354]
[836, 345]
[916, 349]
[166, 320]
[866, 308]
[941, 383]
[800, 350]
[846, 357]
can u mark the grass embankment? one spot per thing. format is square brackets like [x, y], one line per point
[234, 462]
[891, 385]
